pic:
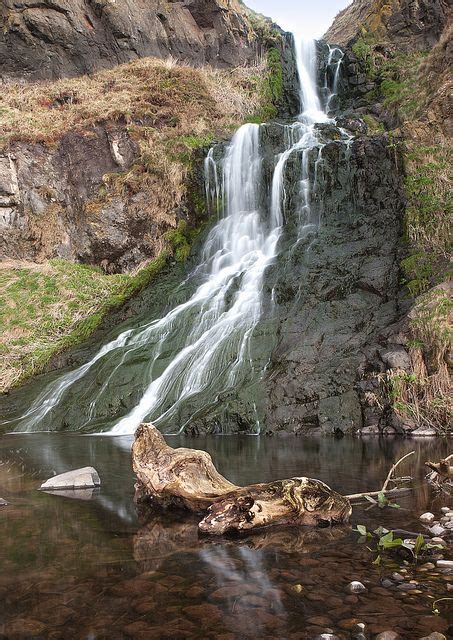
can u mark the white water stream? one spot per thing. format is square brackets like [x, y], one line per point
[214, 326]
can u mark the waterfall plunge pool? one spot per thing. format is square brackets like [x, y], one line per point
[74, 568]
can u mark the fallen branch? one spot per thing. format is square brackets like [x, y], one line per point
[186, 477]
[392, 470]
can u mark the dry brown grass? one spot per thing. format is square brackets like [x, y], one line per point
[170, 109]
[153, 93]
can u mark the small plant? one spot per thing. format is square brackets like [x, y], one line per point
[382, 501]
[384, 540]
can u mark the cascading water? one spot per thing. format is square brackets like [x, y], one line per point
[201, 350]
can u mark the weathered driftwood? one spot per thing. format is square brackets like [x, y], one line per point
[167, 476]
[188, 478]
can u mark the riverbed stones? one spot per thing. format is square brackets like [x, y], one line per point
[445, 564]
[84, 478]
[427, 518]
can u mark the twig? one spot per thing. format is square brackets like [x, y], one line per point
[384, 490]
[389, 492]
[385, 485]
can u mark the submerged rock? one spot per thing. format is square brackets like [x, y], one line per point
[84, 478]
[427, 518]
[356, 587]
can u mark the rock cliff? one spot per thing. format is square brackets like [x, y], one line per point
[395, 77]
[52, 39]
[405, 25]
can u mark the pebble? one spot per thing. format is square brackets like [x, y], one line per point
[445, 564]
[387, 635]
[3, 503]
[327, 636]
[434, 636]
[437, 530]
[397, 577]
[428, 565]
[406, 586]
[355, 587]
[388, 584]
[427, 518]
[439, 541]
[320, 621]
[445, 509]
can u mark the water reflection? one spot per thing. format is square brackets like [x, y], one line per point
[79, 569]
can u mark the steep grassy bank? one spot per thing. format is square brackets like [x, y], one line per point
[171, 112]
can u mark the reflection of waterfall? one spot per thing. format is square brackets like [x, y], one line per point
[184, 363]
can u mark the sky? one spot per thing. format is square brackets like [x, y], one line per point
[309, 18]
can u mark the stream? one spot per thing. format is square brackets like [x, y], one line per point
[86, 568]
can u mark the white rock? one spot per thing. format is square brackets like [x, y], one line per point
[85, 478]
[387, 635]
[424, 431]
[355, 587]
[445, 564]
[3, 503]
[437, 530]
[434, 636]
[445, 509]
[427, 518]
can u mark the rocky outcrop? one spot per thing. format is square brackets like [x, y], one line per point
[338, 289]
[44, 192]
[406, 25]
[57, 38]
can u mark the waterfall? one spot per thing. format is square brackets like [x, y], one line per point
[200, 350]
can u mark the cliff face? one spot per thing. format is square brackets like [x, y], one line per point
[406, 25]
[396, 78]
[51, 39]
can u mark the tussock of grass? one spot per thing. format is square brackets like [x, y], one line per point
[45, 309]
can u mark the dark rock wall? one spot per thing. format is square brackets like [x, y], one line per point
[43, 202]
[337, 289]
[51, 39]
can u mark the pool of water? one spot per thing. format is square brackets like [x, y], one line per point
[87, 568]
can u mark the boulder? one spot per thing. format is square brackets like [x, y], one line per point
[85, 478]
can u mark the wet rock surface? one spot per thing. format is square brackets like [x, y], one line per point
[338, 289]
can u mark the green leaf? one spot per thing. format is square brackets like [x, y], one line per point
[361, 529]
[386, 539]
[378, 560]
[394, 505]
[419, 544]
[381, 531]
[382, 500]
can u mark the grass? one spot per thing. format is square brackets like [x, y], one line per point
[414, 87]
[170, 109]
[45, 309]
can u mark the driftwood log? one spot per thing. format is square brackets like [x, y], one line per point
[187, 477]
